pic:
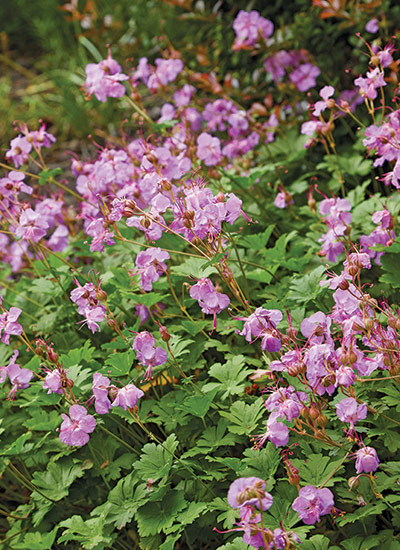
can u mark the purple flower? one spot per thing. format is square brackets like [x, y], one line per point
[249, 491]
[52, 382]
[208, 149]
[104, 79]
[100, 391]
[366, 460]
[94, 315]
[312, 503]
[374, 79]
[127, 397]
[372, 26]
[326, 92]
[249, 27]
[147, 353]
[210, 301]
[9, 325]
[76, 427]
[31, 226]
[304, 77]
[349, 411]
[19, 152]
[150, 264]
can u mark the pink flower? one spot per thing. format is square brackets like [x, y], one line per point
[100, 391]
[349, 411]
[31, 226]
[76, 427]
[19, 152]
[147, 353]
[249, 491]
[304, 77]
[372, 26]
[208, 149]
[366, 460]
[104, 79]
[127, 397]
[210, 301]
[150, 264]
[249, 27]
[52, 382]
[326, 92]
[369, 85]
[312, 503]
[9, 325]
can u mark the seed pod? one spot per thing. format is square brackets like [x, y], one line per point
[314, 411]
[368, 323]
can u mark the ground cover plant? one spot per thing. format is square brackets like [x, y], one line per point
[200, 315]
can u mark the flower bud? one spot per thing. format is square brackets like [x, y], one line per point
[294, 478]
[398, 324]
[352, 357]
[111, 323]
[145, 222]
[314, 411]
[344, 285]
[101, 295]
[165, 185]
[392, 321]
[165, 335]
[291, 333]
[352, 270]
[322, 420]
[368, 323]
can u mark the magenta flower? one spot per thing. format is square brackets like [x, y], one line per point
[31, 226]
[208, 149]
[19, 152]
[52, 382]
[9, 325]
[150, 264]
[18, 377]
[147, 353]
[369, 85]
[249, 491]
[127, 397]
[249, 27]
[349, 411]
[304, 77]
[366, 460]
[76, 427]
[104, 79]
[326, 92]
[210, 301]
[100, 391]
[312, 503]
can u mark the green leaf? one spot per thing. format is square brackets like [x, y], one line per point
[237, 544]
[38, 541]
[154, 517]
[156, 461]
[120, 364]
[258, 241]
[361, 513]
[92, 533]
[230, 376]
[244, 418]
[198, 405]
[124, 500]
[59, 476]
[317, 468]
[318, 542]
[45, 175]
[307, 288]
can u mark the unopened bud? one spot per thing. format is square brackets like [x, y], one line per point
[304, 412]
[291, 333]
[352, 357]
[314, 412]
[101, 295]
[352, 270]
[67, 383]
[344, 285]
[145, 222]
[398, 324]
[312, 203]
[111, 323]
[330, 103]
[369, 323]
[375, 60]
[294, 478]
[52, 356]
[322, 420]
[392, 322]
[220, 197]
[165, 185]
[165, 335]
